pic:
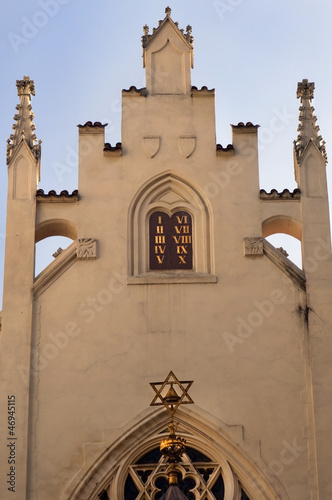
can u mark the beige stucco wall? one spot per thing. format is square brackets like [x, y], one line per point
[100, 333]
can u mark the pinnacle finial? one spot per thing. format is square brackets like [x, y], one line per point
[24, 126]
[147, 37]
[305, 90]
[308, 130]
[172, 447]
[25, 86]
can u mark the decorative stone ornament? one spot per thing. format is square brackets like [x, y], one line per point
[147, 37]
[253, 245]
[151, 146]
[187, 145]
[86, 248]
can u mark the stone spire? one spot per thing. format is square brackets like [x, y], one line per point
[308, 130]
[24, 126]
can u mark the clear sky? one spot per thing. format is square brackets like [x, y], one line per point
[81, 53]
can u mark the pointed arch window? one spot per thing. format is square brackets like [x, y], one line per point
[170, 233]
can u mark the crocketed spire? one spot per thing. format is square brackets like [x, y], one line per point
[308, 130]
[24, 126]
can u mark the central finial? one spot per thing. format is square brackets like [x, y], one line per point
[305, 89]
[168, 396]
[25, 86]
[172, 393]
[168, 11]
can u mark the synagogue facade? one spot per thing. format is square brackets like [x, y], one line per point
[168, 271]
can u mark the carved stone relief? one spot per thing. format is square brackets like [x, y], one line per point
[187, 145]
[151, 146]
[253, 245]
[86, 248]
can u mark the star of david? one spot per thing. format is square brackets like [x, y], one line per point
[167, 394]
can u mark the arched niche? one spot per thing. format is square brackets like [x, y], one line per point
[170, 193]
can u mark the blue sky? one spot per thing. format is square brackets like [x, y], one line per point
[80, 55]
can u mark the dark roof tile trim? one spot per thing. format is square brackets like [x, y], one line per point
[95, 124]
[108, 146]
[203, 89]
[53, 193]
[134, 90]
[229, 147]
[284, 195]
[247, 125]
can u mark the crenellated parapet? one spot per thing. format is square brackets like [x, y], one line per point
[308, 129]
[24, 127]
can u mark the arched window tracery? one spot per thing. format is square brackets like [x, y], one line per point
[201, 478]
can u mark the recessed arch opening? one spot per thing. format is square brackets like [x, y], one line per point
[55, 227]
[285, 234]
[51, 238]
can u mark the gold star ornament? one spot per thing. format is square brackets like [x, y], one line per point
[171, 393]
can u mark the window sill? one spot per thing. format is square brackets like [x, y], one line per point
[158, 278]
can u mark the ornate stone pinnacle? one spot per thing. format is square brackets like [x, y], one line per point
[25, 86]
[24, 126]
[308, 130]
[305, 90]
[189, 36]
[147, 37]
